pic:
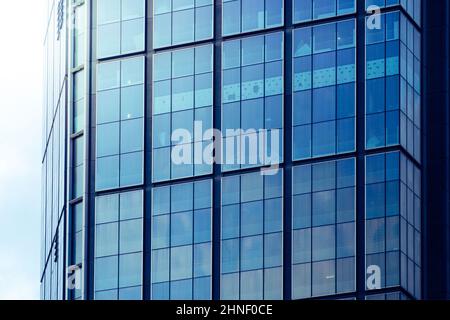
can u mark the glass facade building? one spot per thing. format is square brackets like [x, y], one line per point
[338, 91]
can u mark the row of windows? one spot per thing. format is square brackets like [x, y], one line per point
[250, 15]
[307, 10]
[395, 296]
[323, 234]
[324, 85]
[121, 23]
[195, 20]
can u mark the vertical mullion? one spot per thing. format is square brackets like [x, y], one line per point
[287, 143]
[171, 114]
[385, 220]
[170, 243]
[384, 25]
[335, 228]
[194, 109]
[263, 162]
[241, 87]
[171, 24]
[240, 230]
[311, 259]
[194, 9]
[264, 231]
[120, 24]
[336, 149]
[118, 247]
[193, 231]
[120, 122]
[311, 129]
[241, 22]
[147, 213]
[360, 149]
[399, 228]
[216, 209]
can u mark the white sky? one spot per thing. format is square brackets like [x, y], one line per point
[21, 39]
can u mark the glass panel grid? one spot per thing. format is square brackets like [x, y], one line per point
[252, 101]
[252, 237]
[182, 242]
[308, 10]
[79, 34]
[393, 223]
[324, 229]
[393, 85]
[324, 90]
[240, 16]
[412, 7]
[182, 100]
[120, 27]
[76, 243]
[120, 121]
[77, 167]
[78, 108]
[179, 22]
[119, 246]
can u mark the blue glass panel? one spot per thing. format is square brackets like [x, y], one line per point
[106, 273]
[230, 256]
[252, 285]
[182, 229]
[323, 243]
[252, 253]
[202, 226]
[302, 211]
[252, 218]
[324, 208]
[301, 241]
[131, 236]
[161, 232]
[181, 263]
[130, 270]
